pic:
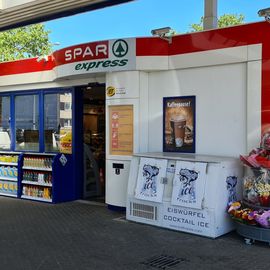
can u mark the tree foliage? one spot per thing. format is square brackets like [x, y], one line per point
[24, 42]
[223, 21]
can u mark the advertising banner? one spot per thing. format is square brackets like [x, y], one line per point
[189, 184]
[179, 124]
[149, 182]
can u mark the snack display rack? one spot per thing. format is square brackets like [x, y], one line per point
[44, 177]
[9, 171]
[37, 177]
[47, 177]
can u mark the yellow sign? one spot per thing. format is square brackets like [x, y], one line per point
[110, 91]
[121, 130]
[66, 140]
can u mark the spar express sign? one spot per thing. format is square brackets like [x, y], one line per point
[102, 56]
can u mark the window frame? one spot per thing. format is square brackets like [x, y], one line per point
[10, 121]
[41, 94]
[13, 107]
[50, 92]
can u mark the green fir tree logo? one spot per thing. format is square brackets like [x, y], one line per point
[120, 48]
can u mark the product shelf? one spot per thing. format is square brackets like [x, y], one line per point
[8, 179]
[37, 169]
[40, 154]
[8, 163]
[8, 194]
[9, 173]
[36, 198]
[36, 183]
[46, 177]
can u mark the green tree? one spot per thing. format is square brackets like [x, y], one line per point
[223, 21]
[24, 42]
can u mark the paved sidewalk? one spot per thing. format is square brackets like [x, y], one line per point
[82, 236]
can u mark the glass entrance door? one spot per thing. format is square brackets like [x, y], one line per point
[94, 142]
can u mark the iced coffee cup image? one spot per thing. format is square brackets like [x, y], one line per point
[178, 126]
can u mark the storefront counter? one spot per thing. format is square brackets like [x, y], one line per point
[183, 192]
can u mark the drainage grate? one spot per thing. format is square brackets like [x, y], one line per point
[163, 261]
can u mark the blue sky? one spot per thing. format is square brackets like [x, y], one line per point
[138, 18]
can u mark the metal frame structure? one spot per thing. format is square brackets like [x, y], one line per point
[36, 11]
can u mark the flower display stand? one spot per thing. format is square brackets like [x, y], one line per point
[252, 233]
[252, 215]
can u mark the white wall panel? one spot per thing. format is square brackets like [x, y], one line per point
[152, 63]
[143, 113]
[254, 52]
[126, 84]
[254, 104]
[27, 78]
[43, 84]
[220, 106]
[209, 58]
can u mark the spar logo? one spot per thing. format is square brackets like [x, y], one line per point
[120, 48]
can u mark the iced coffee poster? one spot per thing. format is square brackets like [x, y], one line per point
[179, 124]
[150, 186]
[189, 184]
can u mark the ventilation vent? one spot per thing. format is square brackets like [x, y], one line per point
[143, 211]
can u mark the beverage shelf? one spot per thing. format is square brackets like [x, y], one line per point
[36, 183]
[8, 179]
[36, 198]
[37, 168]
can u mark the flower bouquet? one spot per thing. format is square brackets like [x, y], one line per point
[263, 190]
[249, 216]
[259, 157]
[256, 187]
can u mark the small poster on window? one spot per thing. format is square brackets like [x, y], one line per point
[179, 124]
[66, 140]
[149, 182]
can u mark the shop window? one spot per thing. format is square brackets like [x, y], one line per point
[57, 122]
[27, 122]
[5, 138]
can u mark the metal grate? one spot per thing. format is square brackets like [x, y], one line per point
[143, 211]
[163, 261]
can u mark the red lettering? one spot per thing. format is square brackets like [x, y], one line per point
[90, 51]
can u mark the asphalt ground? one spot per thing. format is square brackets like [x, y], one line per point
[80, 236]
